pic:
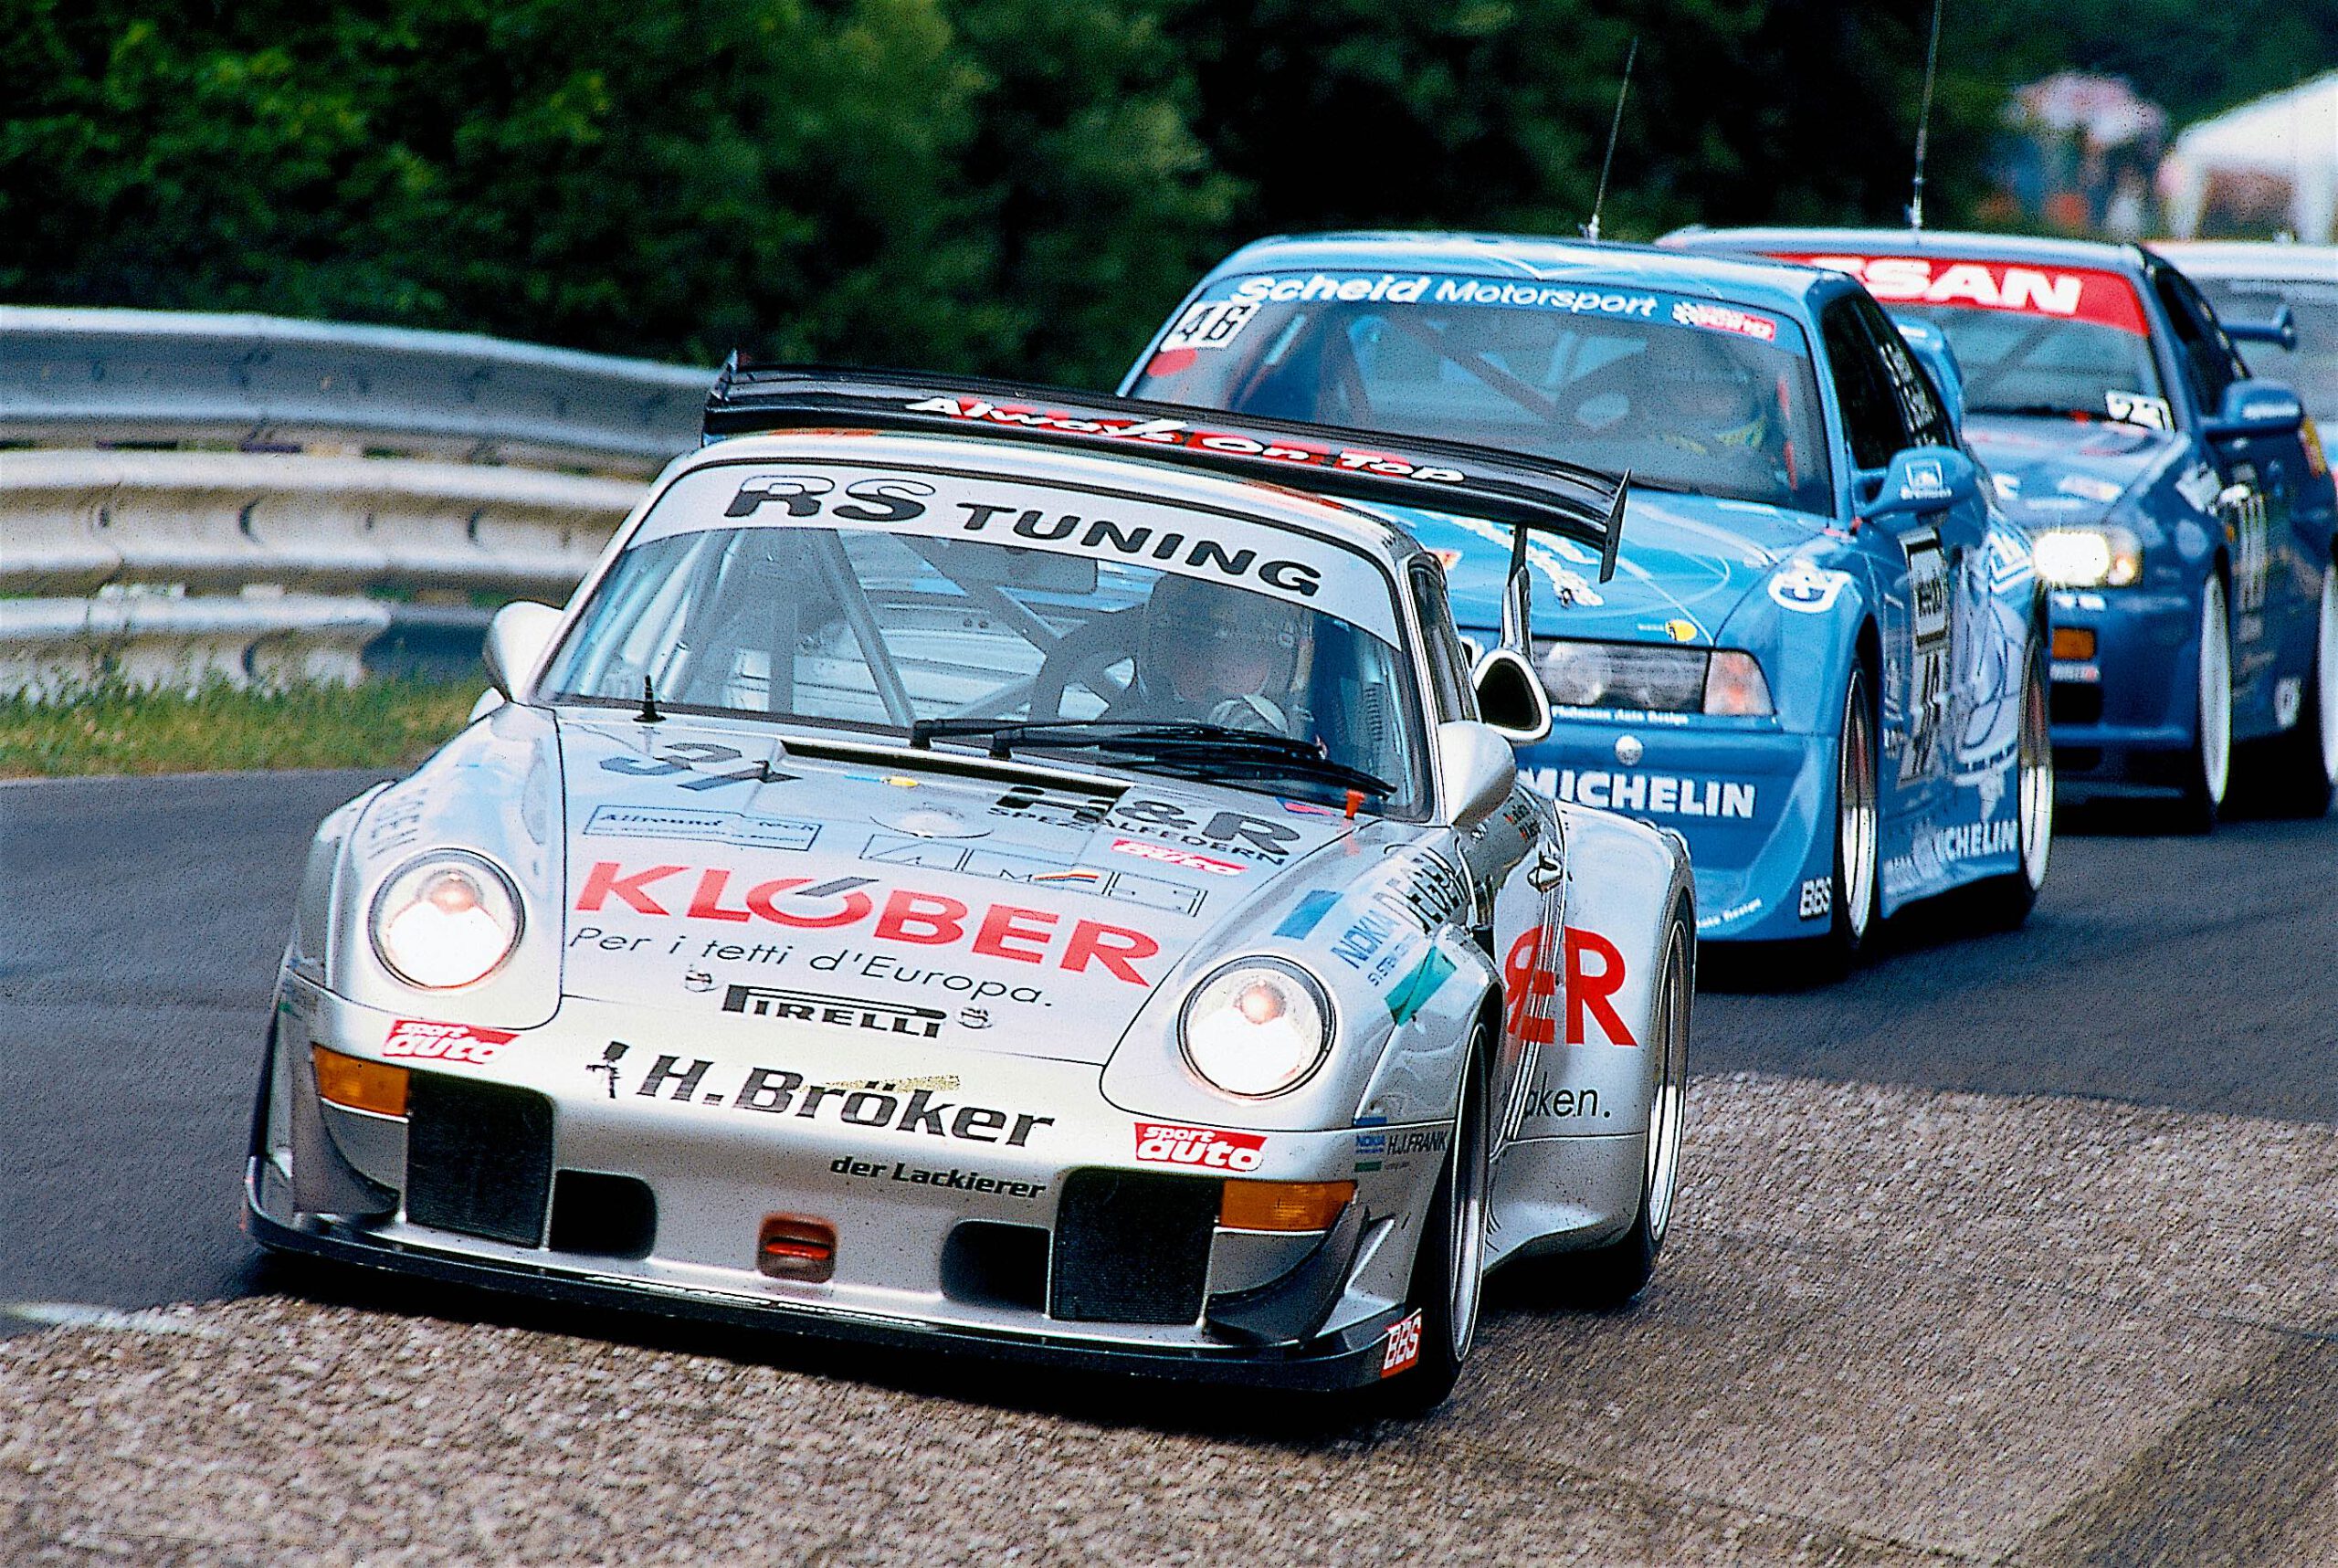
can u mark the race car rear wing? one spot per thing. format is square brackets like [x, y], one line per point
[1529, 493]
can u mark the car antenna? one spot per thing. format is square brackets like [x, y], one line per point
[1615, 126]
[648, 714]
[1924, 123]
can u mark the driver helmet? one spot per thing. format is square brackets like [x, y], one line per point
[1228, 652]
[1715, 402]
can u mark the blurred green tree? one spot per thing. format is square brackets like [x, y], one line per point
[1494, 113]
[1014, 186]
[862, 180]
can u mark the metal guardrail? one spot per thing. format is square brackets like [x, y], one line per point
[190, 495]
[74, 377]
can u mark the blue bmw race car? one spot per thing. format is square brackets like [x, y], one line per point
[2181, 510]
[1821, 655]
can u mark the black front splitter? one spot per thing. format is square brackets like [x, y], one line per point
[1348, 1359]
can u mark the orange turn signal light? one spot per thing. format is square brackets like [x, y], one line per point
[361, 1085]
[1283, 1206]
[795, 1247]
[2074, 642]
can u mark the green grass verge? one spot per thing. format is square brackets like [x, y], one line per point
[113, 729]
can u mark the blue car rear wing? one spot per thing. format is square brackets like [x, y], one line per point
[1529, 493]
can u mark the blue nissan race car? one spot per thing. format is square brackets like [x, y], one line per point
[1821, 655]
[2181, 510]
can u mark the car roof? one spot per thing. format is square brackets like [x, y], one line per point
[2269, 260]
[1355, 525]
[2043, 248]
[1772, 285]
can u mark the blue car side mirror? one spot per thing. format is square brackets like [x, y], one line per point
[1921, 479]
[2257, 408]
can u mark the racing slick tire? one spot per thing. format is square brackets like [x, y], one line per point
[2206, 769]
[2003, 904]
[1851, 884]
[1449, 1269]
[1612, 1274]
[2297, 771]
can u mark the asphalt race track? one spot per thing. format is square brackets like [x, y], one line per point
[2013, 1250]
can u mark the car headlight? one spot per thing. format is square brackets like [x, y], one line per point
[445, 920]
[2106, 556]
[1652, 677]
[1255, 1027]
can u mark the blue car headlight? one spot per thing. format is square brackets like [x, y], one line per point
[1652, 677]
[2099, 556]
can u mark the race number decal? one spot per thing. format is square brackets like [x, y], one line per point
[1927, 656]
[1211, 324]
[2133, 408]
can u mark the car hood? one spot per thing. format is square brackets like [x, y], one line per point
[987, 909]
[1686, 563]
[2050, 471]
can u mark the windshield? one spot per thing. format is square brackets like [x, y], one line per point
[2312, 368]
[1687, 393]
[2047, 341]
[752, 590]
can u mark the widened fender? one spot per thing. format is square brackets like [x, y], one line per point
[1571, 1175]
[1818, 645]
[1596, 1073]
[494, 790]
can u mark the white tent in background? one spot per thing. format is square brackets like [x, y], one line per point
[2275, 155]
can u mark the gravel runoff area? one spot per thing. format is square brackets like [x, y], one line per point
[1894, 1326]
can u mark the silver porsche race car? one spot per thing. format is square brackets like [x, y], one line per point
[981, 867]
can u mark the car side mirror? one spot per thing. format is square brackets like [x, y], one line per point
[1921, 479]
[2281, 331]
[2256, 408]
[516, 639]
[1479, 769]
[1509, 698]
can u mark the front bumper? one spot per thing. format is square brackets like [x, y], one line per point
[1750, 798]
[1350, 1357]
[1053, 1258]
[2124, 718]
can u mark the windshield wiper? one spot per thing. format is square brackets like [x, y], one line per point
[1182, 743]
[1004, 732]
